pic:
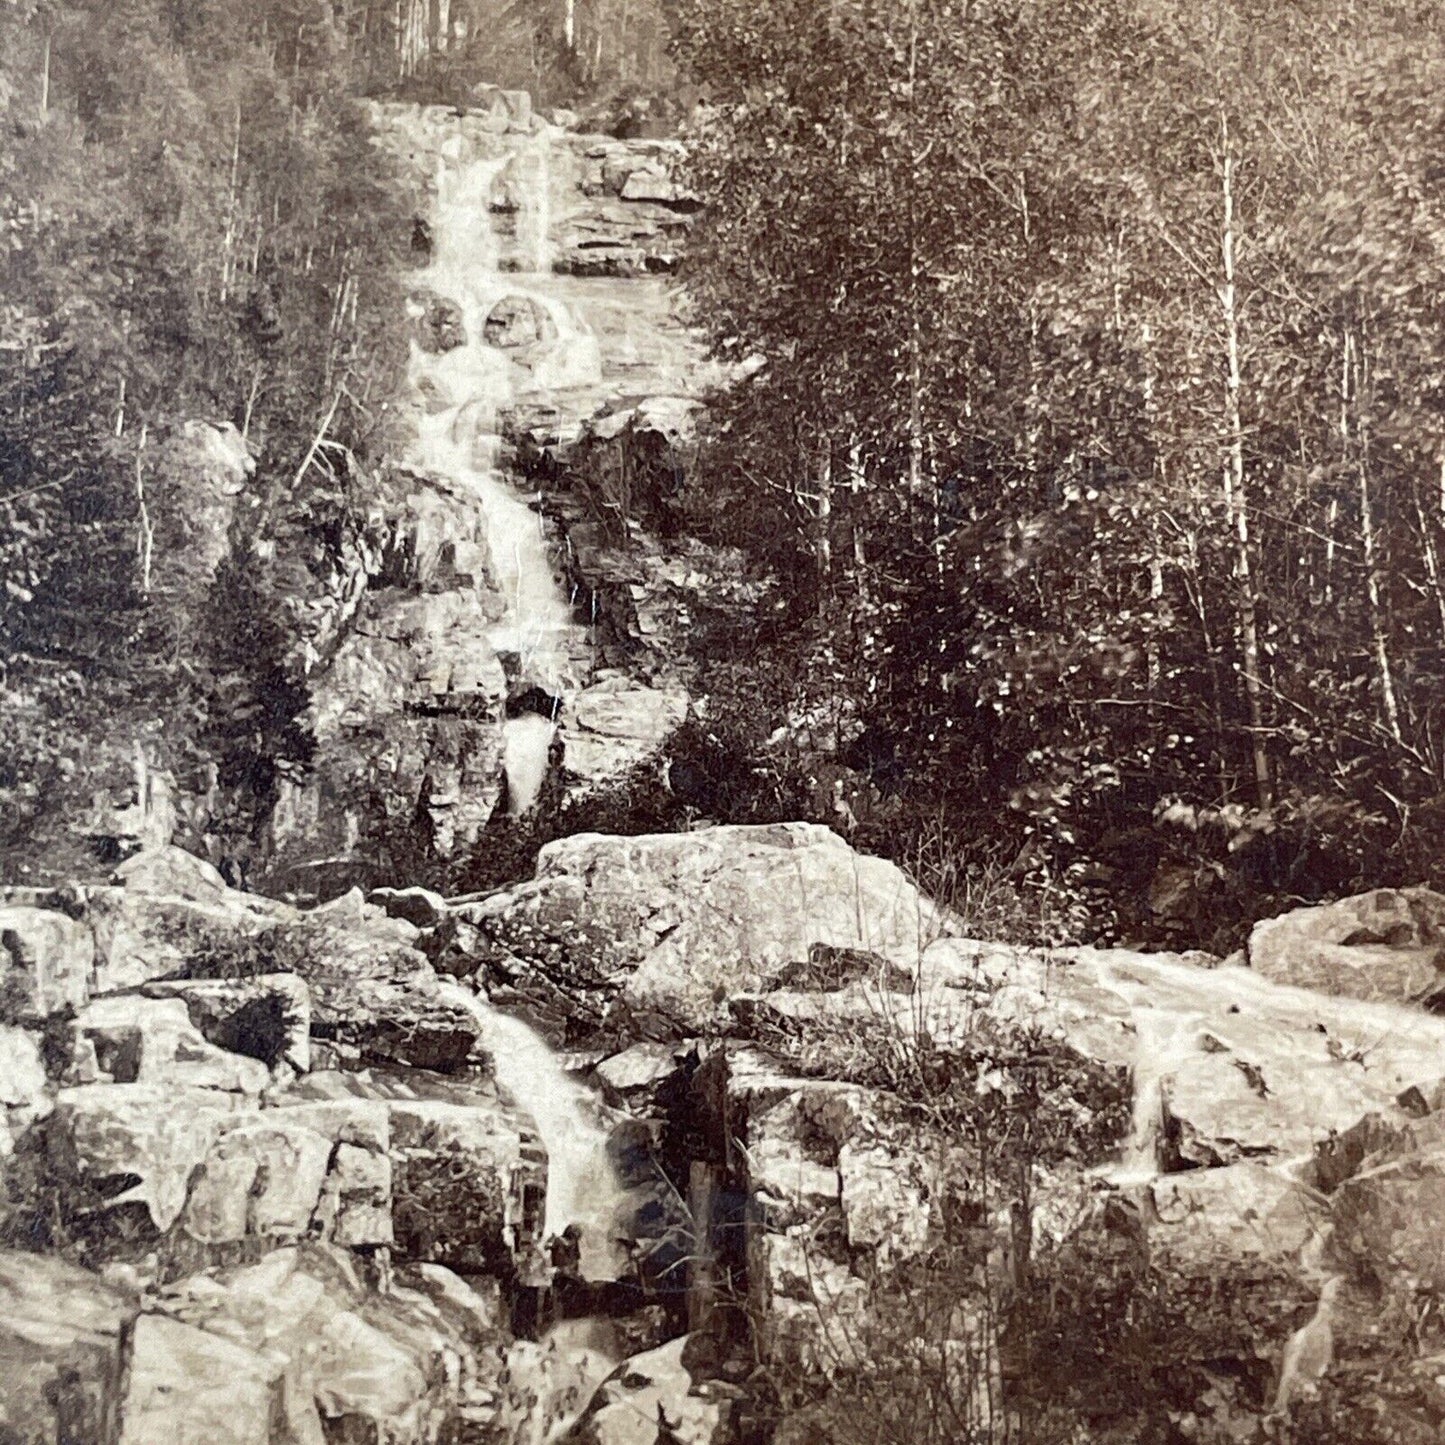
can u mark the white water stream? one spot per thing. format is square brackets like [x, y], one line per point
[1173, 1004]
[471, 386]
[582, 1186]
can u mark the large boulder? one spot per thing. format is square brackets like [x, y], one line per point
[1387, 1220]
[376, 1000]
[262, 1178]
[439, 324]
[1387, 944]
[298, 1347]
[1228, 1066]
[130, 1150]
[611, 728]
[318, 1170]
[652, 1399]
[1210, 1221]
[350, 1364]
[257, 977]
[24, 1097]
[662, 929]
[654, 183]
[266, 1017]
[518, 323]
[465, 1177]
[190, 1387]
[134, 1040]
[354, 1207]
[62, 1352]
[141, 936]
[171, 872]
[132, 1161]
[47, 962]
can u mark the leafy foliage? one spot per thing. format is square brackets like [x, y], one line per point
[194, 227]
[1094, 391]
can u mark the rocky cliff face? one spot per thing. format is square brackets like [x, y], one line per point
[482, 637]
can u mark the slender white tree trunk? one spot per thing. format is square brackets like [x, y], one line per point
[1236, 493]
[145, 530]
[1353, 387]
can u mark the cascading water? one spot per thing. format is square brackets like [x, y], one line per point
[1156, 1052]
[473, 384]
[1222, 1004]
[582, 1187]
[470, 387]
[529, 348]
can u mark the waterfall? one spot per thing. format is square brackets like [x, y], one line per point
[1153, 1056]
[475, 384]
[582, 1187]
[542, 214]
[527, 744]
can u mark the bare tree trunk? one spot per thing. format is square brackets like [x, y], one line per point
[915, 318]
[1331, 547]
[824, 537]
[1432, 558]
[145, 534]
[232, 203]
[703, 1272]
[1354, 383]
[1153, 666]
[251, 404]
[1194, 588]
[1236, 494]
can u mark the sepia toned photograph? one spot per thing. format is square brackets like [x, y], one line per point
[722, 722]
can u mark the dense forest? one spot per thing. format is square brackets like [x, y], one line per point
[560, 51]
[195, 227]
[1102, 425]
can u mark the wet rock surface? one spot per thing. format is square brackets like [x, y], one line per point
[333, 1223]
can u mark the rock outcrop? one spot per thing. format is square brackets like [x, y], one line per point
[615, 726]
[295, 1348]
[263, 1145]
[1213, 1117]
[1387, 944]
[650, 936]
[433, 617]
[652, 1399]
[172, 1082]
